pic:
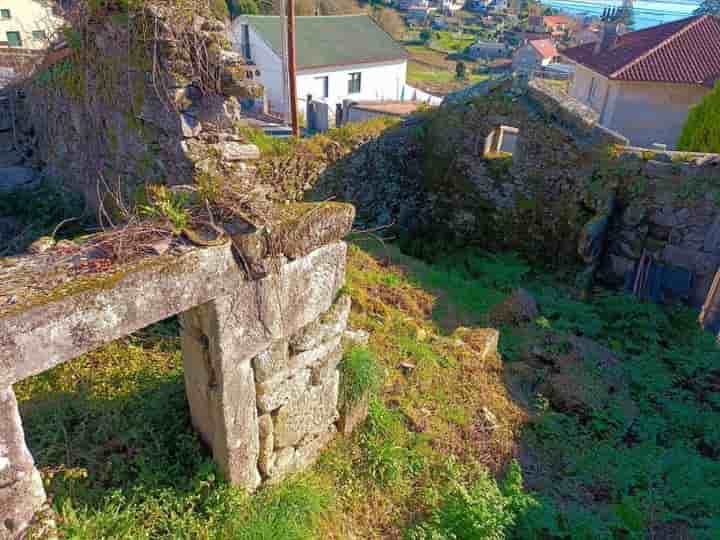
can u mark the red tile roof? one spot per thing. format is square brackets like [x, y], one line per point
[545, 47]
[556, 20]
[685, 51]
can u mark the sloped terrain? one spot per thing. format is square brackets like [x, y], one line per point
[599, 420]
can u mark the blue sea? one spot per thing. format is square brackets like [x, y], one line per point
[646, 13]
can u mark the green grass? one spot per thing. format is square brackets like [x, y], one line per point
[360, 375]
[422, 72]
[450, 41]
[112, 435]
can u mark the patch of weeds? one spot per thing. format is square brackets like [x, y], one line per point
[168, 204]
[481, 510]
[360, 375]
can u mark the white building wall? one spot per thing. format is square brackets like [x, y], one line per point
[648, 113]
[379, 81]
[27, 16]
[267, 62]
[645, 113]
[590, 88]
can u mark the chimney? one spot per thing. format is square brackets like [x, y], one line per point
[611, 29]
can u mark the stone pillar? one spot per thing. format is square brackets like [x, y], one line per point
[21, 490]
[221, 338]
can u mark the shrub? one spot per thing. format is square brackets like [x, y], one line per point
[482, 511]
[701, 132]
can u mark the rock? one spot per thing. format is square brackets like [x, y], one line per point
[308, 358]
[307, 412]
[266, 458]
[325, 368]
[14, 178]
[330, 325]
[583, 376]
[406, 367]
[518, 308]
[21, 488]
[218, 112]
[489, 419]
[273, 394]
[356, 337]
[271, 362]
[711, 242]
[352, 415]
[234, 151]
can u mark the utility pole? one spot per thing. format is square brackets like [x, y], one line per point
[292, 67]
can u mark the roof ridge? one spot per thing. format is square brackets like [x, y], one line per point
[663, 43]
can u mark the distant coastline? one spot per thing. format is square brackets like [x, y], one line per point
[647, 13]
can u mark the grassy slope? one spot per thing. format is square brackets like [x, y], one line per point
[112, 435]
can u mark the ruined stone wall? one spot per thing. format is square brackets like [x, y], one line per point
[139, 95]
[431, 179]
[263, 329]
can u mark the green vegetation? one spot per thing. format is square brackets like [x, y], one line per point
[360, 375]
[701, 132]
[451, 41]
[438, 456]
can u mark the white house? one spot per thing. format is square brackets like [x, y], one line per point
[28, 24]
[338, 57]
[642, 84]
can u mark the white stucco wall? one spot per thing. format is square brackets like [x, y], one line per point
[379, 81]
[580, 89]
[27, 16]
[267, 61]
[649, 113]
[645, 113]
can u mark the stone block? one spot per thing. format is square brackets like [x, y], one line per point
[308, 358]
[323, 370]
[307, 412]
[189, 126]
[352, 415]
[711, 243]
[329, 325]
[235, 151]
[22, 494]
[291, 459]
[275, 393]
[272, 361]
[266, 460]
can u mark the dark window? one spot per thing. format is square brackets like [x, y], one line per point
[324, 83]
[14, 39]
[246, 41]
[5, 14]
[39, 34]
[354, 83]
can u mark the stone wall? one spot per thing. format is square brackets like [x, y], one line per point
[432, 181]
[146, 95]
[263, 324]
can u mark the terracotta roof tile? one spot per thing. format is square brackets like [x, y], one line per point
[545, 47]
[685, 51]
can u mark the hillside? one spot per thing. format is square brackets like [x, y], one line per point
[439, 453]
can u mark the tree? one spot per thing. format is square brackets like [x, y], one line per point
[460, 71]
[711, 7]
[701, 132]
[243, 7]
[425, 36]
